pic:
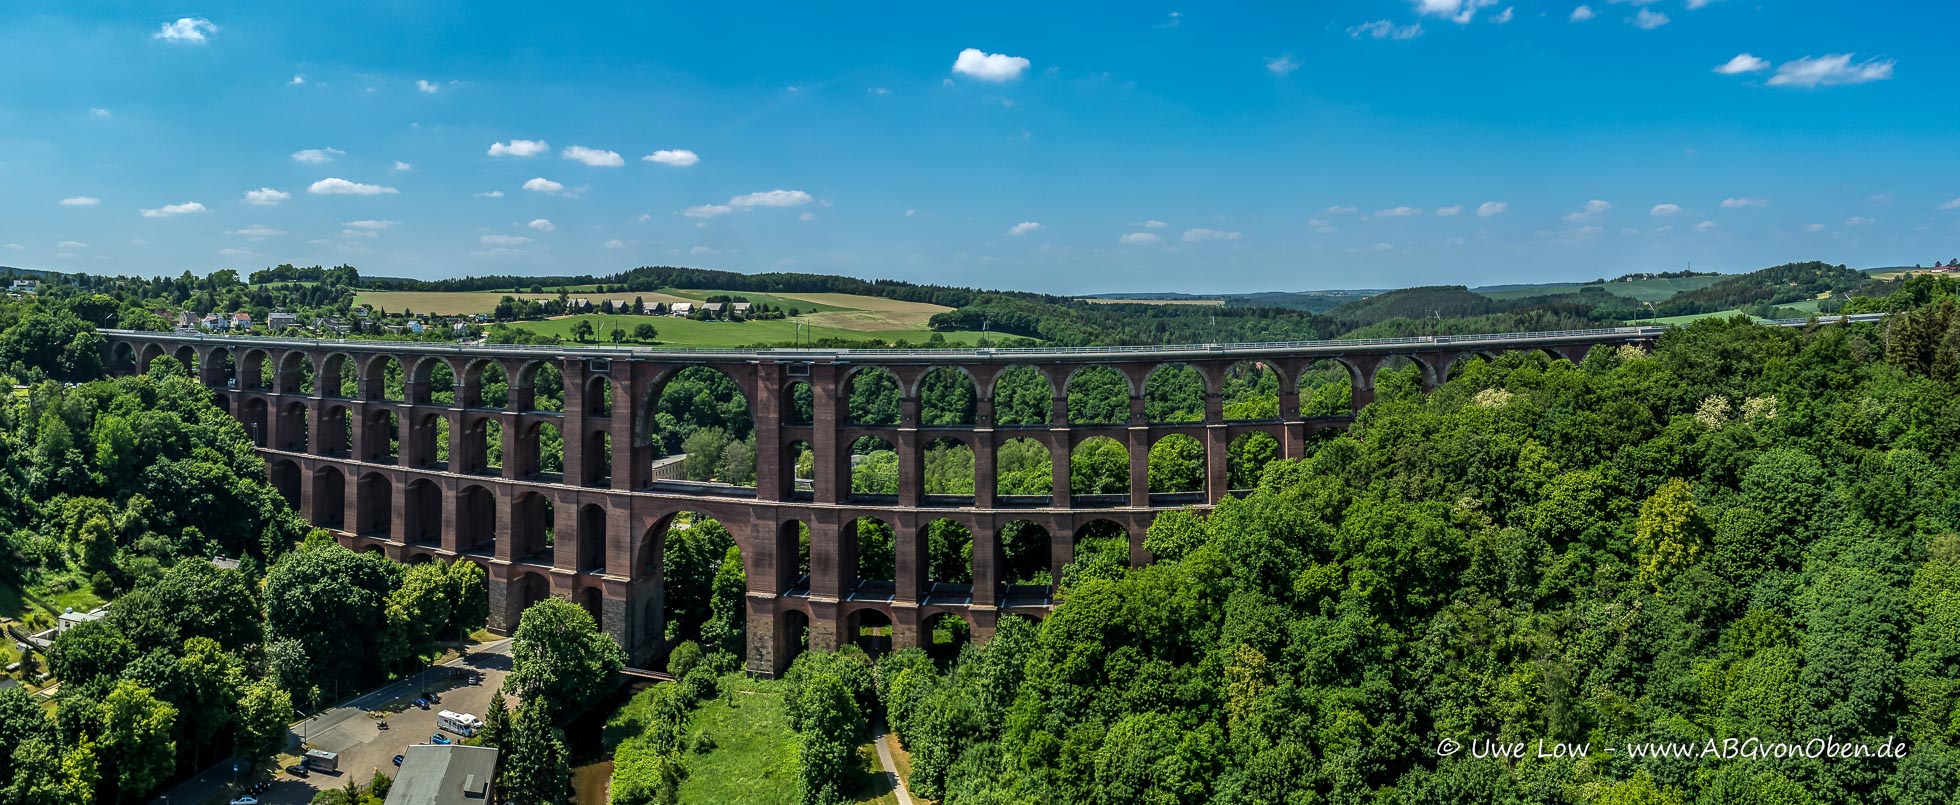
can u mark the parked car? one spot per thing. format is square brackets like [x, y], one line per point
[440, 739]
[422, 702]
[296, 770]
[398, 760]
[245, 799]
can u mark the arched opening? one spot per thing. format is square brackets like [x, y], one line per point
[223, 368]
[252, 370]
[949, 552]
[799, 404]
[547, 386]
[376, 501]
[430, 430]
[1027, 554]
[1023, 396]
[1398, 377]
[295, 373]
[873, 549]
[292, 426]
[796, 634]
[525, 590]
[255, 422]
[339, 377]
[1102, 550]
[1098, 395]
[1024, 468]
[800, 462]
[946, 397]
[1246, 459]
[870, 630]
[873, 467]
[439, 445]
[187, 356]
[329, 498]
[943, 635]
[532, 527]
[703, 416]
[873, 397]
[1177, 465]
[422, 513]
[284, 475]
[546, 451]
[122, 358]
[684, 552]
[383, 437]
[1326, 389]
[1465, 363]
[598, 459]
[591, 537]
[485, 385]
[336, 431]
[147, 356]
[484, 442]
[1099, 466]
[594, 603]
[441, 378]
[476, 520]
[598, 396]
[946, 467]
[1174, 393]
[1251, 392]
[793, 555]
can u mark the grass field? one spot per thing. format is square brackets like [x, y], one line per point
[754, 759]
[725, 334]
[457, 303]
[1198, 302]
[1807, 306]
[1649, 290]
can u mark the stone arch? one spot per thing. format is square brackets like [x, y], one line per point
[1026, 554]
[947, 397]
[795, 628]
[870, 628]
[1246, 459]
[476, 520]
[546, 383]
[375, 500]
[484, 384]
[1024, 467]
[873, 468]
[425, 374]
[1176, 465]
[422, 512]
[799, 404]
[1251, 392]
[482, 446]
[799, 466]
[122, 358]
[542, 450]
[1098, 394]
[382, 378]
[1099, 465]
[430, 445]
[598, 396]
[336, 437]
[1326, 388]
[293, 425]
[339, 376]
[591, 537]
[329, 497]
[597, 456]
[295, 373]
[1174, 392]
[870, 548]
[382, 433]
[526, 588]
[949, 551]
[1401, 375]
[253, 415]
[1023, 396]
[532, 527]
[709, 395]
[284, 475]
[186, 356]
[943, 635]
[1104, 540]
[1461, 363]
[251, 370]
[946, 467]
[148, 355]
[872, 395]
[793, 555]
[593, 601]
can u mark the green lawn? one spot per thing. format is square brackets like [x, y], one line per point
[1649, 290]
[754, 759]
[688, 333]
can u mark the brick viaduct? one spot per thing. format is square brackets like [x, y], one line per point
[597, 537]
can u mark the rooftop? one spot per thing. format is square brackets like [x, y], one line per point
[441, 775]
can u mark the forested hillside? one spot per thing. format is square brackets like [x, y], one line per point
[1778, 285]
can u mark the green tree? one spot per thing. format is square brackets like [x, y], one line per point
[827, 741]
[264, 711]
[727, 606]
[535, 766]
[334, 603]
[559, 658]
[1670, 533]
[90, 650]
[645, 332]
[135, 744]
[496, 722]
[582, 330]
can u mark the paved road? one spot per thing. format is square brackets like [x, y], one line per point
[891, 768]
[364, 748]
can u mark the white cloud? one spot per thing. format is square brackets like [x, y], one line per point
[1665, 210]
[71, 244]
[1341, 210]
[297, 81]
[1737, 203]
[1024, 227]
[1813, 227]
[80, 201]
[1503, 16]
[1828, 71]
[1594, 209]
[1648, 19]
[266, 197]
[808, 216]
[615, 243]
[1858, 221]
[1375, 249]
[333, 186]
[1321, 226]
[771, 198]
[491, 194]
[257, 231]
[594, 157]
[1450, 211]
[676, 157]
[1383, 29]
[1490, 208]
[426, 87]
[542, 224]
[975, 63]
[236, 252]
[100, 113]
[1398, 212]
[1742, 63]
[1152, 224]
[707, 210]
[1705, 226]
[1140, 238]
[1200, 235]
[168, 210]
[370, 224]
[1951, 205]
[1282, 65]
[1881, 198]
[503, 240]
[1581, 14]
[1459, 11]
[14, 247]
[401, 166]
[701, 250]
[542, 185]
[316, 156]
[186, 31]
[519, 148]
[1698, 4]
[879, 91]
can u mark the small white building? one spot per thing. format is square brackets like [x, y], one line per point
[415, 325]
[740, 308]
[681, 309]
[241, 321]
[26, 286]
[713, 308]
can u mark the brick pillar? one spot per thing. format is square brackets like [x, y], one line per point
[1218, 441]
[350, 501]
[565, 535]
[908, 536]
[522, 397]
[572, 426]
[768, 412]
[911, 467]
[500, 620]
[632, 462]
[1061, 551]
[832, 456]
[833, 564]
[398, 511]
[986, 473]
[622, 535]
[986, 564]
[505, 504]
[826, 625]
[768, 649]
[905, 626]
[514, 466]
[1058, 458]
[1139, 445]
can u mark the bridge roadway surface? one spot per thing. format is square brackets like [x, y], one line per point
[366, 466]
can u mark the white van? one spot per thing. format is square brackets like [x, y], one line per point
[462, 724]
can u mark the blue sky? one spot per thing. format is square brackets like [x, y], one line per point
[1059, 147]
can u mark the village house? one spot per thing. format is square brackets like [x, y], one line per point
[740, 309]
[280, 320]
[681, 309]
[241, 321]
[713, 309]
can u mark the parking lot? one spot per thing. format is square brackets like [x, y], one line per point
[354, 731]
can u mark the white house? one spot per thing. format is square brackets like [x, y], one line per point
[241, 321]
[740, 308]
[681, 309]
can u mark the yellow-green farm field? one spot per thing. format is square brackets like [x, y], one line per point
[675, 332]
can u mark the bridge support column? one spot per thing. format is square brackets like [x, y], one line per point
[768, 412]
[909, 538]
[905, 626]
[498, 581]
[833, 457]
[986, 477]
[1139, 445]
[827, 625]
[1217, 456]
[770, 642]
[986, 564]
[1058, 457]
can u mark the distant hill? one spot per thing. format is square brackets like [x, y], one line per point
[1436, 301]
[1777, 285]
